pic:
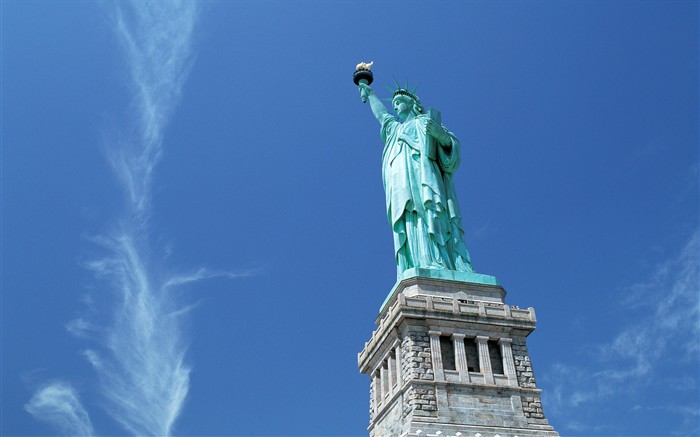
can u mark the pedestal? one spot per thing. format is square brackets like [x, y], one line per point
[449, 358]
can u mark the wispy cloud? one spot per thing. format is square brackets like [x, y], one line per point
[58, 404]
[669, 301]
[142, 368]
[157, 41]
[688, 416]
[204, 273]
[140, 352]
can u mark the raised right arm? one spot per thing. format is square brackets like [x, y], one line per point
[378, 108]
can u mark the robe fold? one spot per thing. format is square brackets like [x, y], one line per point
[421, 204]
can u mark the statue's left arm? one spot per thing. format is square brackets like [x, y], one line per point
[439, 133]
[448, 153]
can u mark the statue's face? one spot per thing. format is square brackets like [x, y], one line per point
[402, 106]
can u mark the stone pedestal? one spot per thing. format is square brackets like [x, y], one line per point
[449, 358]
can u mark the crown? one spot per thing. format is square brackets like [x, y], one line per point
[405, 92]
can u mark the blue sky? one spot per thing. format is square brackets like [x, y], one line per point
[194, 239]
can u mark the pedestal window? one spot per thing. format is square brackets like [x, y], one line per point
[447, 350]
[472, 353]
[495, 357]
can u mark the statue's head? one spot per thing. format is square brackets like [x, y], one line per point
[406, 103]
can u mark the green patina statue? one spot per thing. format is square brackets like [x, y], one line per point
[418, 162]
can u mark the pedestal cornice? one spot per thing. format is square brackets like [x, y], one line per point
[445, 301]
[449, 357]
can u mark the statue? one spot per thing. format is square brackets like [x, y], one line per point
[418, 162]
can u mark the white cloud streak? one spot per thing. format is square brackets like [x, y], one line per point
[204, 273]
[58, 404]
[142, 369]
[156, 37]
[143, 373]
[670, 300]
[140, 353]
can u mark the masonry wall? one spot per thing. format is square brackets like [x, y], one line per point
[417, 364]
[532, 404]
[479, 380]
[523, 366]
[372, 394]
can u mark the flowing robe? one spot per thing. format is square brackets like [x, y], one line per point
[420, 198]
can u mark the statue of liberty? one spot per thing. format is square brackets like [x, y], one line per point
[418, 162]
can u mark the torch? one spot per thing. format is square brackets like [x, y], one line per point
[363, 75]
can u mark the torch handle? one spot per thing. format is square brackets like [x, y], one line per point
[362, 92]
